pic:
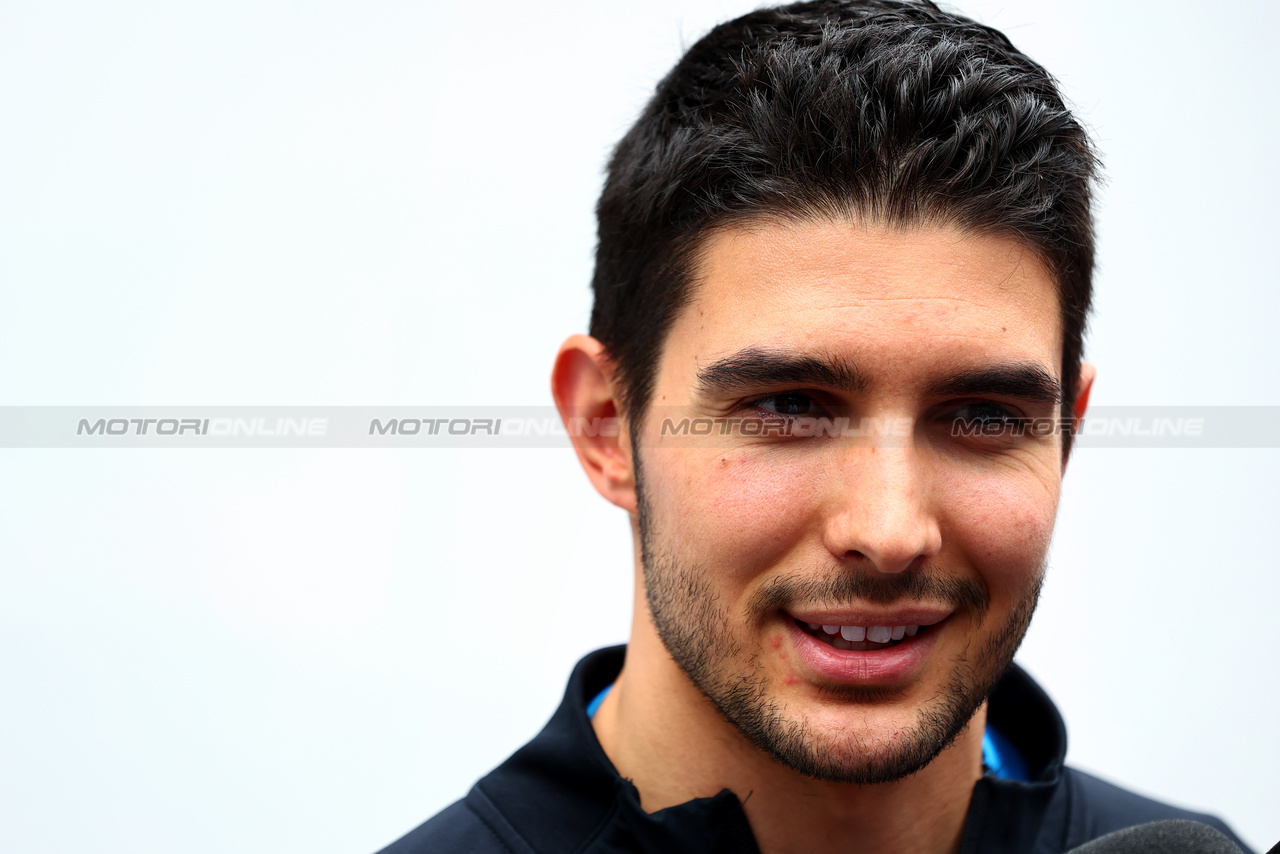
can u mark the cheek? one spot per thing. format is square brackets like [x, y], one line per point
[1003, 526]
[736, 510]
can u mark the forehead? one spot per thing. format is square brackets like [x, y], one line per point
[928, 296]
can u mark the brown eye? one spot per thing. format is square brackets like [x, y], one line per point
[985, 420]
[791, 403]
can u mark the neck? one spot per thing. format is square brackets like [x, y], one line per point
[663, 734]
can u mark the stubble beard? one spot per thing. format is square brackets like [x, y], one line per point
[696, 630]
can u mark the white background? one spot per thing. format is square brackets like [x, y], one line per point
[391, 203]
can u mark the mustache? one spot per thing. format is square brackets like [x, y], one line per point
[843, 586]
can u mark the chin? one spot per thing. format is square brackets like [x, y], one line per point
[839, 741]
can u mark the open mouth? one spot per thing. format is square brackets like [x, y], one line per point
[861, 638]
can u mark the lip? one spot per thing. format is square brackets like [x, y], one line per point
[888, 666]
[915, 616]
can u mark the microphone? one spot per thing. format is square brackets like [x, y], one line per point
[1161, 837]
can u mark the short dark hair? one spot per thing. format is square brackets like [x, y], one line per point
[884, 109]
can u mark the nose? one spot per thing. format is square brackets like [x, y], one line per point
[881, 509]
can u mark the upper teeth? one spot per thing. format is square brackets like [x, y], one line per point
[875, 634]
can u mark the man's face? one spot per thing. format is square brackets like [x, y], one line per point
[753, 541]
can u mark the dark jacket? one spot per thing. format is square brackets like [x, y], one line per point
[559, 794]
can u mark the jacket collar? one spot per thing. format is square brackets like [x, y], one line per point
[560, 792]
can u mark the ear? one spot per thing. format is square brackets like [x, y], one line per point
[582, 384]
[1083, 386]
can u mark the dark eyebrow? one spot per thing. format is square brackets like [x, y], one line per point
[754, 368]
[1027, 381]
